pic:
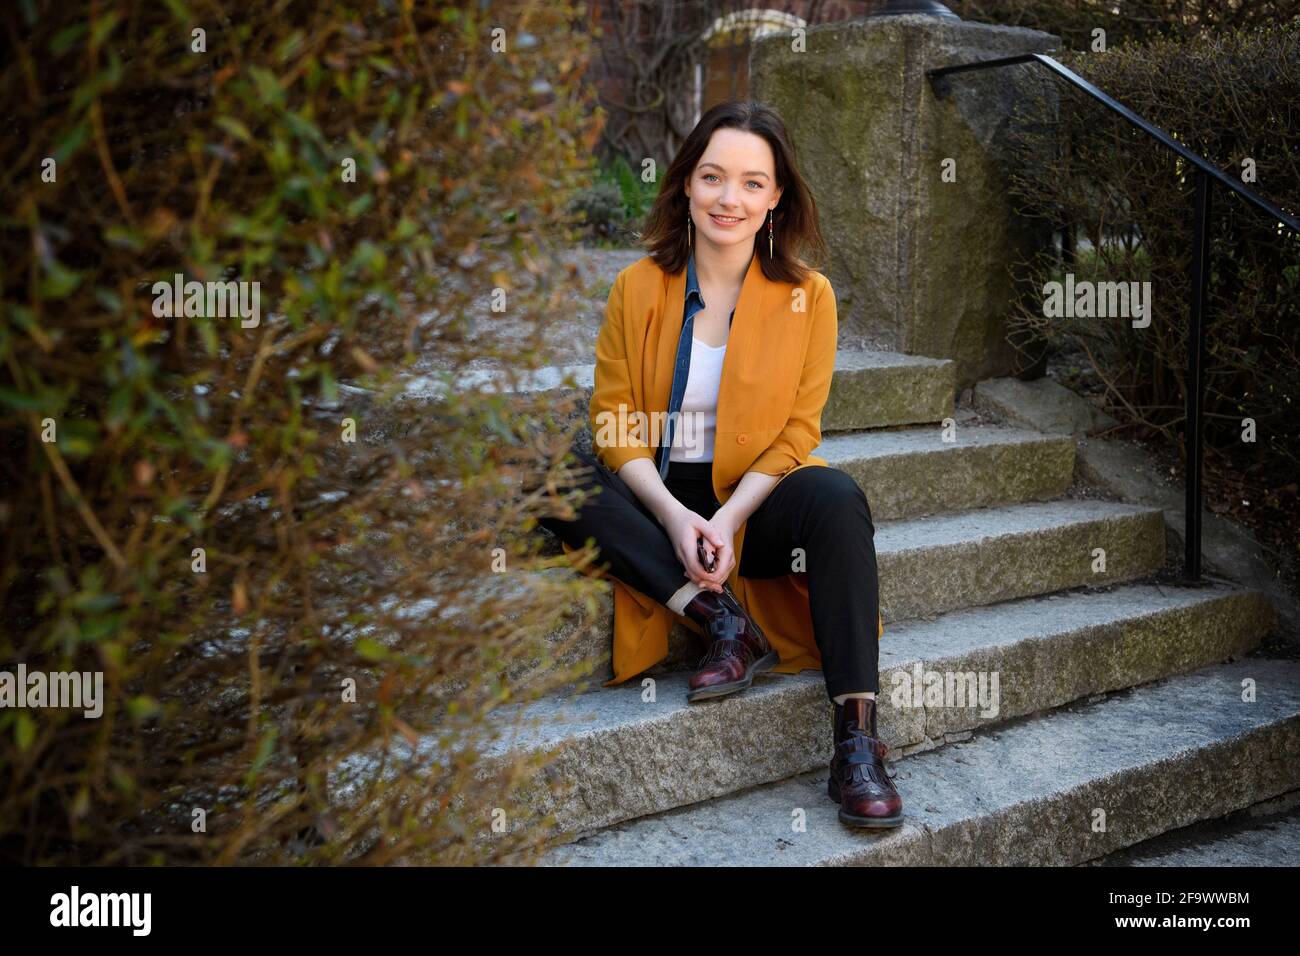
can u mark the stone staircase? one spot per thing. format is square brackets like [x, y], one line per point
[1112, 707]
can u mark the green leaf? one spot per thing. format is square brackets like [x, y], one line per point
[59, 281]
[76, 446]
[360, 205]
[103, 27]
[329, 388]
[122, 780]
[265, 747]
[142, 706]
[113, 653]
[371, 649]
[268, 87]
[109, 299]
[179, 10]
[19, 401]
[96, 628]
[291, 45]
[208, 335]
[70, 142]
[235, 128]
[24, 730]
[303, 128]
[88, 602]
[66, 38]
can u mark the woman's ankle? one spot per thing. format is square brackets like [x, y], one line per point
[682, 597]
[868, 694]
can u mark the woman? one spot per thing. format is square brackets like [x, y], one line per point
[712, 367]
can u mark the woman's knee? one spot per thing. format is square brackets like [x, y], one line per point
[837, 494]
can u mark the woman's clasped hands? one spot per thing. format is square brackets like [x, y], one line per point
[692, 534]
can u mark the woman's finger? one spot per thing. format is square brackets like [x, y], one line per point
[691, 562]
[722, 570]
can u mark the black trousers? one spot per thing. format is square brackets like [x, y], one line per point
[821, 510]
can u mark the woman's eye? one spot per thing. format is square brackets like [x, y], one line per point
[754, 182]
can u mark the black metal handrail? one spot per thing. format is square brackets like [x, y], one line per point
[1206, 174]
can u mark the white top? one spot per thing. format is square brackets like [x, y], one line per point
[693, 434]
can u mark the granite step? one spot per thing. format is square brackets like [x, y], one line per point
[930, 565]
[868, 390]
[1059, 788]
[916, 470]
[637, 749]
[927, 469]
[1251, 837]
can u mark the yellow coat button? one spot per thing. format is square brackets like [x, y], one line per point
[741, 439]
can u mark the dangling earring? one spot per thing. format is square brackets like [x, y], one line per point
[769, 233]
[688, 225]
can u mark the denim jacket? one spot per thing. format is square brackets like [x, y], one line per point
[682, 367]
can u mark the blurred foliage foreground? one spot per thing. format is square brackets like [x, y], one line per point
[306, 624]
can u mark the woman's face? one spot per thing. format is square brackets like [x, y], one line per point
[735, 178]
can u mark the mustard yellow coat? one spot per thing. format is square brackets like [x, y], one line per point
[776, 376]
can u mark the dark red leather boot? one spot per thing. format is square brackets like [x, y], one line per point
[859, 782]
[738, 651]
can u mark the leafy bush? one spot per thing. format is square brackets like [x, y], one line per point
[617, 202]
[602, 207]
[1232, 98]
[183, 507]
[1128, 21]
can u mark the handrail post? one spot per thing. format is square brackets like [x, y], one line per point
[1196, 378]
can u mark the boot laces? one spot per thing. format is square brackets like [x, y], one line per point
[722, 648]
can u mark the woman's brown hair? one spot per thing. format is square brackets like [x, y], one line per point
[794, 220]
